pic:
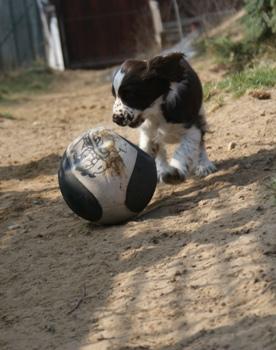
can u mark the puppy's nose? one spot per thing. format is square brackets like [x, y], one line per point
[119, 119]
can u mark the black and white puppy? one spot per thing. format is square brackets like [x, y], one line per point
[164, 97]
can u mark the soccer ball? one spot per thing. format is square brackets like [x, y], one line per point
[105, 178]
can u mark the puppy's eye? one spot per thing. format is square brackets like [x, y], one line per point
[113, 91]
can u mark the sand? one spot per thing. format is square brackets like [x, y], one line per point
[196, 271]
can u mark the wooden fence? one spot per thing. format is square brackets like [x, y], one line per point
[21, 39]
[98, 33]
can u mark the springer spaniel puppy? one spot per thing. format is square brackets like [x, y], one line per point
[163, 96]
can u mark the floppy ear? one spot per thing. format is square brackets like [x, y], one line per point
[166, 67]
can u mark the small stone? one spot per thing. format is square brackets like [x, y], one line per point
[247, 165]
[51, 328]
[13, 227]
[262, 113]
[101, 338]
[155, 240]
[37, 202]
[231, 146]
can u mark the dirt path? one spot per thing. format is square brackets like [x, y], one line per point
[197, 271]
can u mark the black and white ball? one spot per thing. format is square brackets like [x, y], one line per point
[106, 179]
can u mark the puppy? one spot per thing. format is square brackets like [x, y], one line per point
[163, 96]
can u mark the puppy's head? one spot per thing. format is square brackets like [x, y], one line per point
[137, 84]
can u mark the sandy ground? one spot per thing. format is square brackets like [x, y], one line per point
[197, 271]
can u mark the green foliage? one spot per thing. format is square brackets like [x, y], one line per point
[31, 80]
[235, 55]
[7, 115]
[260, 19]
[208, 91]
[255, 78]
[239, 83]
[260, 38]
[200, 46]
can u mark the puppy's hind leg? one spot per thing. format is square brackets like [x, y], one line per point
[205, 166]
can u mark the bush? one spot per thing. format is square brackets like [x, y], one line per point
[235, 55]
[260, 18]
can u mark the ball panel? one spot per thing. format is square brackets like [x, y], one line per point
[142, 182]
[116, 215]
[77, 197]
[103, 162]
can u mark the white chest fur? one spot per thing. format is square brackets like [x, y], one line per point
[158, 129]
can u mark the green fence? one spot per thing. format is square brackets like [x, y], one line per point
[21, 39]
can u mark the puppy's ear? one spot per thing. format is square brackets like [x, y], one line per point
[166, 67]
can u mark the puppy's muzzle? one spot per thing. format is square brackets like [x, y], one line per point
[122, 119]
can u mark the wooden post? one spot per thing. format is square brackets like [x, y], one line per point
[1, 63]
[14, 32]
[178, 19]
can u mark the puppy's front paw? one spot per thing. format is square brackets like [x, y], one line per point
[171, 176]
[205, 169]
